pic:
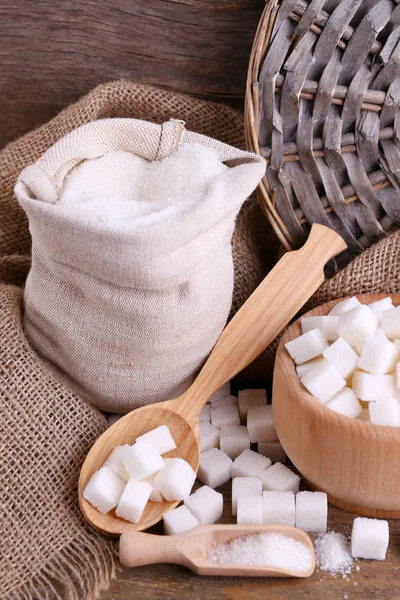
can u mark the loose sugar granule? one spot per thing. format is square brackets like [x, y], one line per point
[267, 549]
[332, 552]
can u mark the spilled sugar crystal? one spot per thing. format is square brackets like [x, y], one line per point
[332, 552]
[125, 191]
[267, 549]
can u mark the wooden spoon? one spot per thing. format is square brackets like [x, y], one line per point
[190, 550]
[271, 306]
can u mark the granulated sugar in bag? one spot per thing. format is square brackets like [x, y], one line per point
[132, 276]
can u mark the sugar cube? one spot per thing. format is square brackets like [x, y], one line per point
[380, 306]
[205, 414]
[306, 367]
[342, 307]
[176, 480]
[346, 403]
[209, 436]
[279, 508]
[104, 490]
[312, 511]
[250, 398]
[379, 356]
[390, 322]
[224, 415]
[307, 346]
[369, 538]
[214, 468]
[385, 412]
[206, 505]
[379, 333]
[155, 494]
[160, 438]
[323, 381]
[357, 324]
[279, 478]
[342, 356]
[233, 440]
[179, 521]
[226, 401]
[133, 500]
[114, 461]
[370, 387]
[327, 324]
[249, 510]
[143, 460]
[249, 464]
[272, 450]
[260, 424]
[223, 391]
[244, 486]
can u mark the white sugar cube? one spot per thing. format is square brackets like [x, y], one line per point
[224, 415]
[346, 403]
[364, 416]
[214, 468]
[133, 500]
[176, 480]
[307, 346]
[370, 387]
[205, 414]
[301, 370]
[114, 461]
[249, 510]
[378, 356]
[206, 505]
[385, 412]
[380, 306]
[104, 489]
[379, 333]
[250, 398]
[323, 381]
[225, 401]
[369, 538]
[357, 324]
[209, 436]
[223, 391]
[244, 486]
[327, 324]
[342, 356]
[249, 464]
[155, 494]
[143, 460]
[272, 450]
[312, 511]
[342, 307]
[390, 322]
[179, 521]
[160, 438]
[260, 424]
[279, 478]
[233, 440]
[279, 508]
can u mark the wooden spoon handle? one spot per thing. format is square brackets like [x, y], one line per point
[270, 307]
[137, 549]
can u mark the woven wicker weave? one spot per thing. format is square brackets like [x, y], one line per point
[322, 106]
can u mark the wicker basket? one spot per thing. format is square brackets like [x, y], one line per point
[322, 107]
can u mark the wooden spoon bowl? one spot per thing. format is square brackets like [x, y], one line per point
[355, 462]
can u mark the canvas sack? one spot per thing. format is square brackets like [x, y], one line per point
[127, 318]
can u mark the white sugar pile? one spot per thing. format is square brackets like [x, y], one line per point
[267, 549]
[125, 191]
[332, 552]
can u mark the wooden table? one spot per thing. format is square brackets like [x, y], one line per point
[375, 580]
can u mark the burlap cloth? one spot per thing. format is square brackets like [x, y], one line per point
[46, 550]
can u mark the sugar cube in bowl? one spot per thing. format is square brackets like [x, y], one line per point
[352, 460]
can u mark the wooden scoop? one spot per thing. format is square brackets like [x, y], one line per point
[190, 550]
[271, 306]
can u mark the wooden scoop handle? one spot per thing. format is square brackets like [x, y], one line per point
[271, 306]
[137, 549]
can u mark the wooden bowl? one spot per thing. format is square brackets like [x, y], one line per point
[356, 463]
